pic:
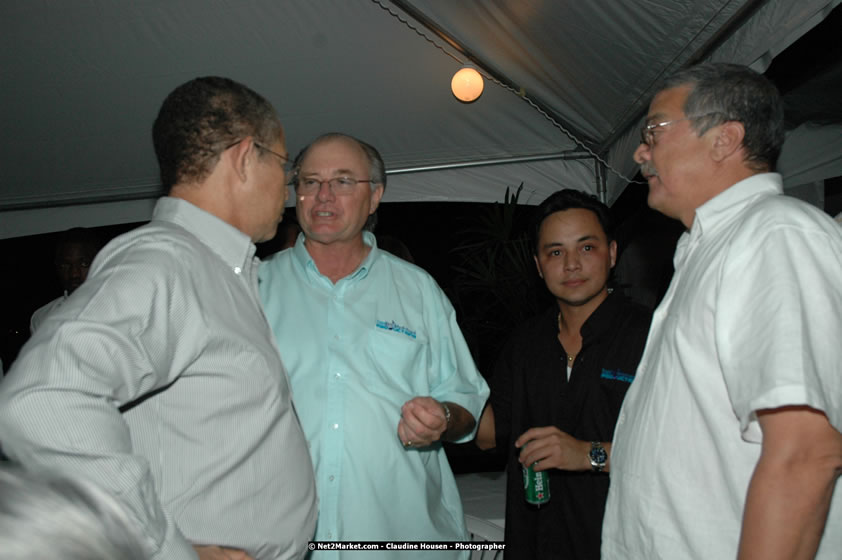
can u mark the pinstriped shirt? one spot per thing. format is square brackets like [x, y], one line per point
[160, 380]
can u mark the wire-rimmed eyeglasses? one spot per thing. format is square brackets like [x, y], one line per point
[286, 164]
[338, 185]
[647, 133]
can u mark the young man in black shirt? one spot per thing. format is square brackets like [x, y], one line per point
[559, 383]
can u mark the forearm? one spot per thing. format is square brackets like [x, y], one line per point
[786, 509]
[73, 423]
[790, 491]
[486, 432]
[96, 447]
[461, 423]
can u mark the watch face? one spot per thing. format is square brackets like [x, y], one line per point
[598, 455]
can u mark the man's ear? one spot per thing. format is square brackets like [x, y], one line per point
[538, 266]
[374, 200]
[728, 140]
[240, 157]
[612, 252]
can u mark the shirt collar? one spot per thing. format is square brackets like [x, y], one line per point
[232, 245]
[723, 207]
[602, 318]
[303, 257]
[732, 200]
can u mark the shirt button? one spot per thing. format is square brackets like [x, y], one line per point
[237, 270]
[338, 375]
[336, 426]
[330, 478]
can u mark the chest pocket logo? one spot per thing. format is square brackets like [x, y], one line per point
[392, 326]
[617, 375]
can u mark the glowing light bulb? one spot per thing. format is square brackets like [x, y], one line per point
[467, 84]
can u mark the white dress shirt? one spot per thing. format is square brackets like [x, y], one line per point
[750, 322]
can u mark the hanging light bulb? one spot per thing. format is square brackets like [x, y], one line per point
[467, 84]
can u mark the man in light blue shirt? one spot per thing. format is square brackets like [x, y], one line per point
[380, 371]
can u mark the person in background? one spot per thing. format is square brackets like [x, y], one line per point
[288, 231]
[158, 377]
[380, 371]
[728, 444]
[560, 380]
[75, 251]
[40, 511]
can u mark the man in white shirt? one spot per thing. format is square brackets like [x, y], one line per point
[728, 444]
[159, 377]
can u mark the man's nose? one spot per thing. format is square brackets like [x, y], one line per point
[571, 260]
[325, 191]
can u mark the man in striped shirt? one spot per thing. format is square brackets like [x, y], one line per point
[159, 377]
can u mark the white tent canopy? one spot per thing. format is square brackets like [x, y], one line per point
[566, 81]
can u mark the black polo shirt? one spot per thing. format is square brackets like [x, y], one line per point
[530, 389]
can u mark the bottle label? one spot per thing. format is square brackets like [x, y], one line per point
[536, 486]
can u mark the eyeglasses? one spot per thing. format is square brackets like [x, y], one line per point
[338, 185]
[647, 133]
[285, 162]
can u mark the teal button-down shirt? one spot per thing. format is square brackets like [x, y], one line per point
[356, 351]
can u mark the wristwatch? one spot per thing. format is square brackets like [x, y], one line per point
[598, 456]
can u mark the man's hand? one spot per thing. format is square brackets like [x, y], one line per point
[220, 553]
[422, 422]
[552, 448]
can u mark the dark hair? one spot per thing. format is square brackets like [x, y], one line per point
[731, 92]
[377, 169]
[567, 199]
[199, 119]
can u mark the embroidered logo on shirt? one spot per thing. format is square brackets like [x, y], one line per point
[617, 375]
[392, 326]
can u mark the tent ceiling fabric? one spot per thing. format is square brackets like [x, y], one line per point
[83, 81]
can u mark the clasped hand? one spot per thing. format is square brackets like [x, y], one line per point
[422, 422]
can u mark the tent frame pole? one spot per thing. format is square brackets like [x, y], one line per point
[568, 155]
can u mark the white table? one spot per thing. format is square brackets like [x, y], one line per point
[484, 501]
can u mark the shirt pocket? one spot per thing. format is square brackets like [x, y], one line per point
[398, 362]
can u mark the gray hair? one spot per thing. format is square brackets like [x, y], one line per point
[732, 92]
[54, 516]
[376, 171]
